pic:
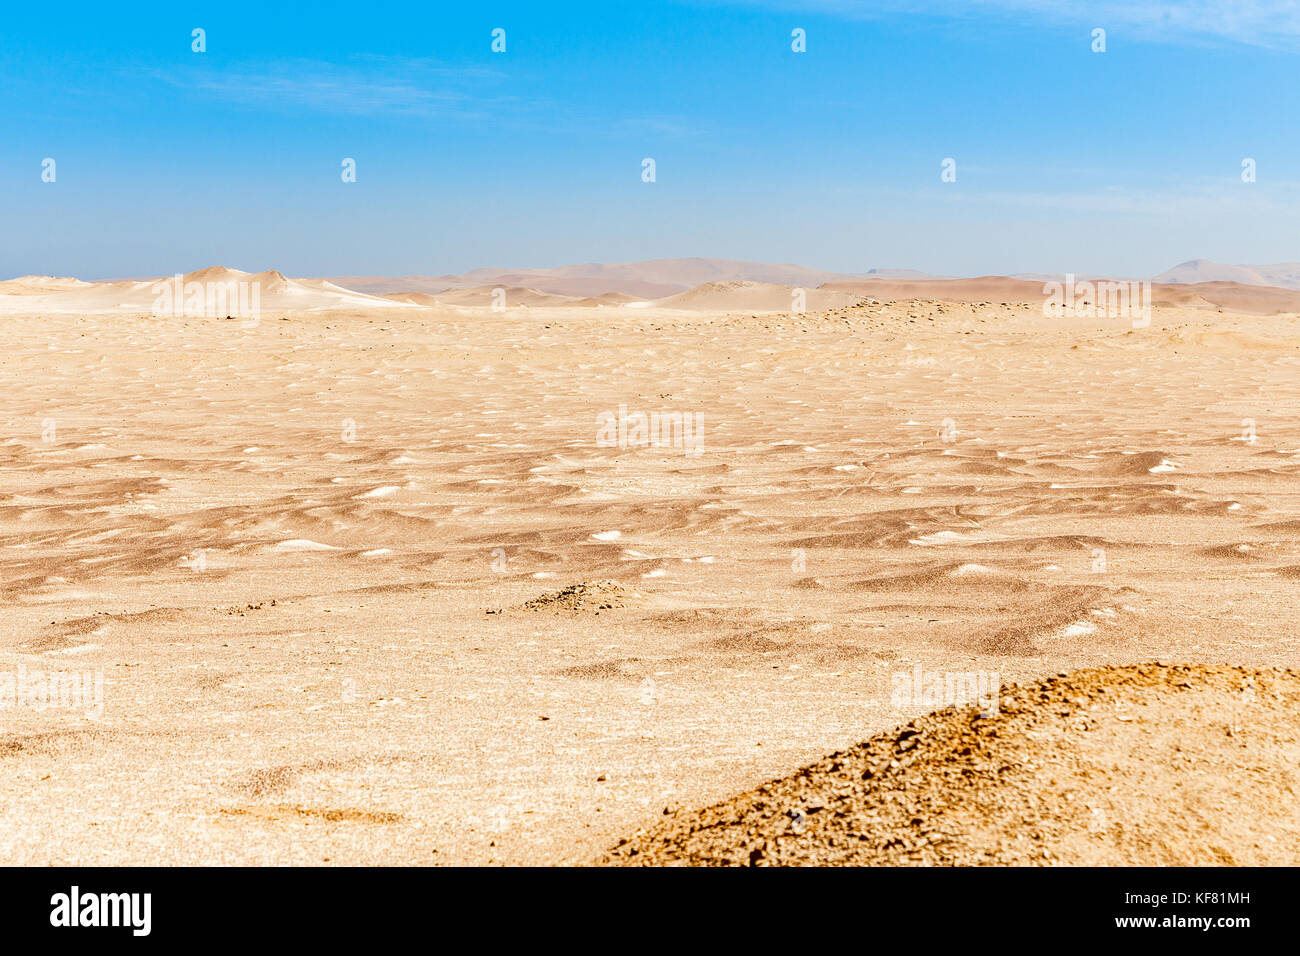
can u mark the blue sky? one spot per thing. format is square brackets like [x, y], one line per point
[1124, 162]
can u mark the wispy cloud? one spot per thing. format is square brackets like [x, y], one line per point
[405, 87]
[1266, 23]
[366, 85]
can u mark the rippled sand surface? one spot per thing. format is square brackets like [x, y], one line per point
[375, 588]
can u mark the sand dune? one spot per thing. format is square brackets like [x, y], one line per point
[509, 296]
[983, 289]
[1232, 296]
[513, 296]
[697, 271]
[660, 278]
[40, 285]
[1236, 297]
[744, 295]
[393, 285]
[608, 299]
[422, 299]
[1285, 275]
[651, 279]
[575, 287]
[614, 285]
[274, 292]
[568, 286]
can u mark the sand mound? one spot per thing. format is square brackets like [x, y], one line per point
[484, 296]
[216, 274]
[982, 289]
[422, 299]
[1172, 296]
[1144, 764]
[514, 296]
[588, 596]
[231, 291]
[1234, 296]
[1263, 300]
[652, 279]
[1136, 464]
[40, 285]
[608, 299]
[273, 281]
[746, 295]
[1285, 275]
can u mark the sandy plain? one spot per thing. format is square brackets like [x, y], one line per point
[304, 556]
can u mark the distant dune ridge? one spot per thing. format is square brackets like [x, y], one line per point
[221, 290]
[703, 283]
[651, 279]
[756, 296]
[658, 278]
[1284, 275]
[686, 284]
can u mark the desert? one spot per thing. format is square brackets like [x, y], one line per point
[357, 580]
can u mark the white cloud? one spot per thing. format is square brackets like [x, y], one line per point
[369, 85]
[406, 87]
[1269, 23]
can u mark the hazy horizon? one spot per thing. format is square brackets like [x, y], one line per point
[884, 271]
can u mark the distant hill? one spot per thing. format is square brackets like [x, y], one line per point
[651, 279]
[747, 295]
[695, 284]
[981, 289]
[660, 278]
[1283, 275]
[275, 292]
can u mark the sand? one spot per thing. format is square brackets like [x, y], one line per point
[1144, 765]
[301, 554]
[746, 295]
